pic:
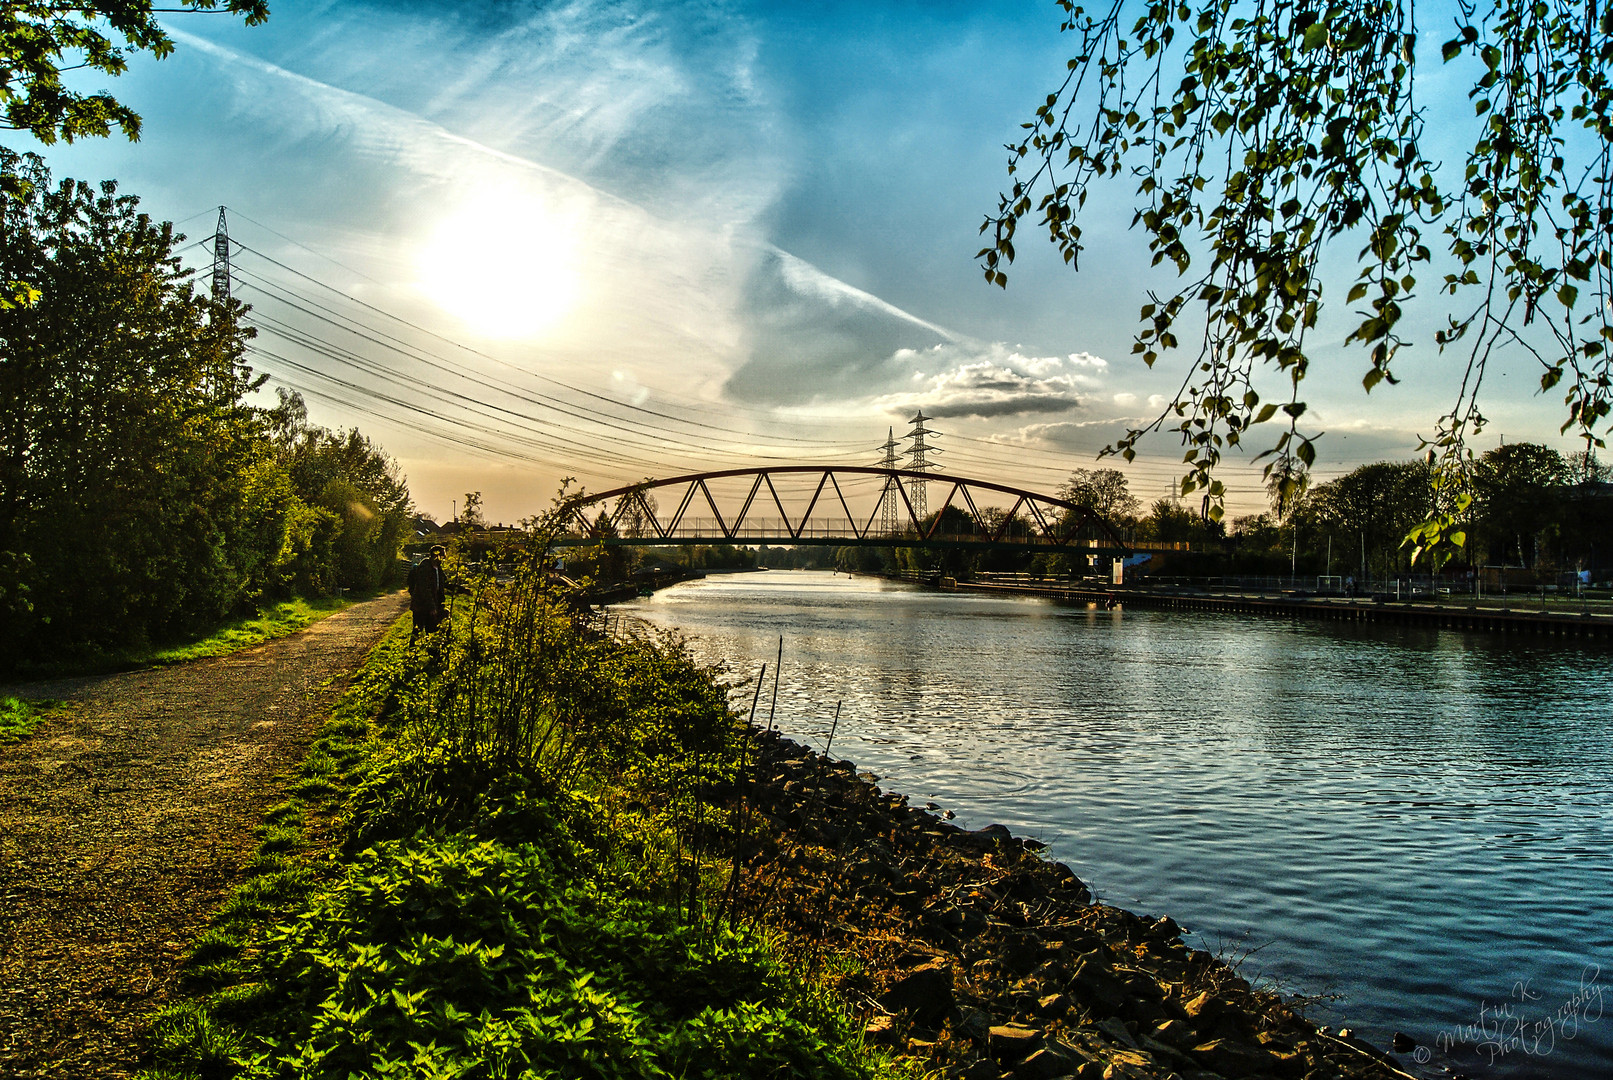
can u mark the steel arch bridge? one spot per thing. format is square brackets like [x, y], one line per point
[632, 516]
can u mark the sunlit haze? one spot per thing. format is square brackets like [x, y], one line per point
[505, 264]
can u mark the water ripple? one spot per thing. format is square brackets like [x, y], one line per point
[1418, 820]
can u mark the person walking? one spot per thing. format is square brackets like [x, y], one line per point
[428, 593]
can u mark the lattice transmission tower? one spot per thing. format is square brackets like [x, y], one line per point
[890, 502]
[919, 455]
[221, 264]
[222, 316]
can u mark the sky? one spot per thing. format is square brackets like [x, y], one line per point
[515, 242]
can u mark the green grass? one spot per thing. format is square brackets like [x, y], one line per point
[243, 633]
[410, 912]
[19, 717]
[230, 636]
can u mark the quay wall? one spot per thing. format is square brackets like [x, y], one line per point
[1443, 616]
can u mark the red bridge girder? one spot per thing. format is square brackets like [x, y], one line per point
[1049, 522]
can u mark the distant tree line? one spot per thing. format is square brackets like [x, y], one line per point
[141, 496]
[1534, 509]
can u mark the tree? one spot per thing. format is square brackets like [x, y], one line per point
[471, 517]
[1518, 489]
[355, 505]
[140, 495]
[1286, 486]
[1105, 491]
[1169, 523]
[1261, 132]
[1376, 505]
[40, 39]
[125, 455]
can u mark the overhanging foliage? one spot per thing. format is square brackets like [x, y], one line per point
[1258, 132]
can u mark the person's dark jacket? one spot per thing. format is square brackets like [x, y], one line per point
[428, 587]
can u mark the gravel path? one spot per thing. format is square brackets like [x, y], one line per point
[124, 824]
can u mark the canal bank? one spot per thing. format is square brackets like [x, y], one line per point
[985, 961]
[1399, 822]
[1486, 618]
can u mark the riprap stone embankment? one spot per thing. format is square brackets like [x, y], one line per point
[988, 961]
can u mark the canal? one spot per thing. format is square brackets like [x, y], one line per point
[1415, 826]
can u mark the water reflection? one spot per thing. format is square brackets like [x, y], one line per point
[1415, 819]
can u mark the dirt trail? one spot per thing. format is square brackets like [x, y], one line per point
[124, 824]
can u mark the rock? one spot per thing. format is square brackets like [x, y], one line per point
[1165, 927]
[1132, 1065]
[1096, 987]
[1403, 1043]
[1289, 1062]
[1117, 1032]
[915, 956]
[974, 1024]
[881, 1030]
[977, 1070]
[1045, 1064]
[1231, 1059]
[1053, 1005]
[986, 838]
[924, 992]
[1206, 1007]
[1176, 1033]
[1012, 1042]
[1162, 1050]
[1024, 954]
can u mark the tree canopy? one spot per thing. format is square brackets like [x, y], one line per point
[40, 39]
[1258, 132]
[141, 495]
[1104, 490]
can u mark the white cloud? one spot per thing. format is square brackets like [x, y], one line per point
[960, 379]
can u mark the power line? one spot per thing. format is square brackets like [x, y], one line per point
[440, 363]
[485, 355]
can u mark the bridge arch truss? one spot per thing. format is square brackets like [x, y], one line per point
[633, 515]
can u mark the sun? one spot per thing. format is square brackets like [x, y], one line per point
[505, 264]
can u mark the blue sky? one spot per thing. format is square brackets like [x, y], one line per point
[761, 217]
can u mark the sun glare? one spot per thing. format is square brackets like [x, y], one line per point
[504, 264]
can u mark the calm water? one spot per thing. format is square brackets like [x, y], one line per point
[1418, 821]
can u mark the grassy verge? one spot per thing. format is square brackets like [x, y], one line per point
[19, 717]
[232, 635]
[273, 622]
[490, 866]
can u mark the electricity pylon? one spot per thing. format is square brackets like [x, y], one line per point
[221, 264]
[890, 510]
[919, 453]
[223, 315]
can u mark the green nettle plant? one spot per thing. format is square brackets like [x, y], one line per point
[1259, 131]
